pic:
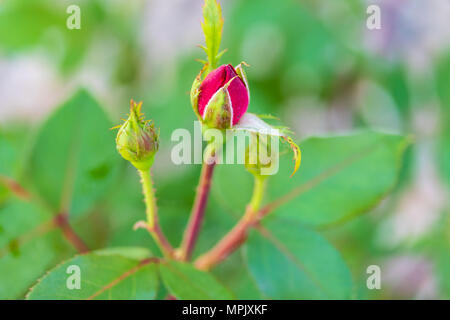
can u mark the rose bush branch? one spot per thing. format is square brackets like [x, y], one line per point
[260, 165]
[233, 240]
[219, 101]
[219, 98]
[236, 236]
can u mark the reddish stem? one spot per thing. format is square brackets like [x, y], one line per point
[198, 211]
[15, 188]
[61, 220]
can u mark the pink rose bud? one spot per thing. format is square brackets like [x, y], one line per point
[222, 98]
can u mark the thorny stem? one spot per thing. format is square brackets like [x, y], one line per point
[152, 224]
[198, 210]
[238, 234]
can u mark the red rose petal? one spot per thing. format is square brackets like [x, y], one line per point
[215, 80]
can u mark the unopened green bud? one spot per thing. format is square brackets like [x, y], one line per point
[137, 139]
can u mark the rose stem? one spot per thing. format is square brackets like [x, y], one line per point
[238, 234]
[198, 210]
[152, 216]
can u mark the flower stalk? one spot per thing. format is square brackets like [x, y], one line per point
[152, 224]
[236, 236]
[198, 210]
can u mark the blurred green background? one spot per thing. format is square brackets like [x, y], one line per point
[314, 64]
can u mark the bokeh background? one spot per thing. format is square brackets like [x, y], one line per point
[314, 64]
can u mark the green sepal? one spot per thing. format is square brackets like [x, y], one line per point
[195, 91]
[218, 113]
[241, 73]
[212, 26]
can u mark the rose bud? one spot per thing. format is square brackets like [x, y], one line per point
[137, 139]
[222, 98]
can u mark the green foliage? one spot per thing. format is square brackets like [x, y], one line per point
[6, 164]
[28, 19]
[187, 283]
[8, 154]
[335, 169]
[68, 169]
[25, 24]
[444, 152]
[289, 261]
[443, 83]
[112, 274]
[29, 246]
[436, 246]
[72, 164]
[12, 142]
[235, 274]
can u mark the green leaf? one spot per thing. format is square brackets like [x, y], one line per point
[234, 272]
[28, 19]
[442, 72]
[8, 154]
[40, 23]
[333, 170]
[74, 159]
[187, 283]
[289, 261]
[212, 28]
[12, 145]
[30, 244]
[435, 246]
[443, 148]
[7, 157]
[119, 274]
